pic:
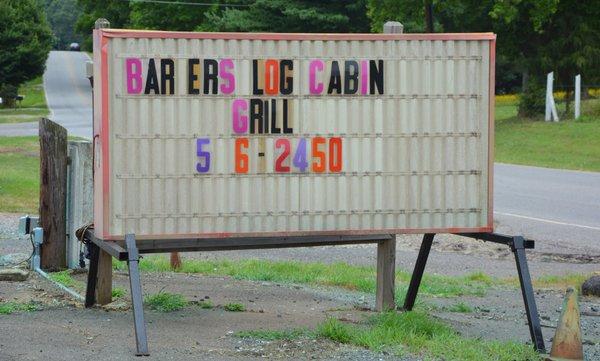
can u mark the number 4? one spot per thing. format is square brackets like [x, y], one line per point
[300, 161]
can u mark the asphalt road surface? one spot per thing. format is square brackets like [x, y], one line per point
[68, 93]
[559, 208]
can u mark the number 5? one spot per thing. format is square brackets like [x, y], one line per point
[202, 154]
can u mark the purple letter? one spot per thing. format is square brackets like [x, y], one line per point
[313, 86]
[134, 78]
[240, 122]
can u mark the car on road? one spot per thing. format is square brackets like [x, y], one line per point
[74, 47]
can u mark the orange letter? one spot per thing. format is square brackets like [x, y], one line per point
[318, 167]
[271, 77]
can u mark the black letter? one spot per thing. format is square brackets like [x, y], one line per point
[256, 110]
[192, 77]
[211, 76]
[255, 89]
[286, 130]
[350, 64]
[335, 79]
[286, 84]
[170, 64]
[274, 128]
[376, 76]
[151, 79]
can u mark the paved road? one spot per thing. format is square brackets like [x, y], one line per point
[69, 97]
[560, 208]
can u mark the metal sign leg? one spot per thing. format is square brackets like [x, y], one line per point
[415, 280]
[90, 292]
[533, 318]
[136, 296]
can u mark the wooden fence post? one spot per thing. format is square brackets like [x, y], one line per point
[53, 194]
[386, 250]
[80, 197]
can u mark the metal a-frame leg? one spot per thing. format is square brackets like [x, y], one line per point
[533, 318]
[90, 292]
[415, 280]
[136, 296]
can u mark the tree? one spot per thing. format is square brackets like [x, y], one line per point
[25, 41]
[311, 16]
[115, 11]
[62, 16]
[161, 16]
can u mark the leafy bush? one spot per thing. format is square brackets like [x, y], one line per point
[532, 102]
[234, 307]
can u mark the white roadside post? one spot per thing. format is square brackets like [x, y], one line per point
[551, 113]
[577, 96]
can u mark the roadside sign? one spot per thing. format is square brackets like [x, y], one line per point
[239, 134]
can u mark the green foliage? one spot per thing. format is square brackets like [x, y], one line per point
[117, 292]
[63, 277]
[310, 16]
[274, 335]
[25, 40]
[234, 307]
[162, 16]
[358, 278]
[417, 333]
[532, 102]
[166, 302]
[115, 11]
[206, 304]
[62, 16]
[460, 307]
[6, 308]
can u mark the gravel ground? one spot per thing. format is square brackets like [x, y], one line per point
[95, 334]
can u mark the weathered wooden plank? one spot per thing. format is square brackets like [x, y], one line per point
[104, 285]
[53, 194]
[386, 275]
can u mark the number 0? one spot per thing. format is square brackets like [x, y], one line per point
[335, 154]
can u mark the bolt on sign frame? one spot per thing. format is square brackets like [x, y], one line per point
[207, 141]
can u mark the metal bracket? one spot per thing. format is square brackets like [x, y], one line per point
[136, 296]
[517, 245]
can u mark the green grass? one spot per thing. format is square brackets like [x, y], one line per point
[274, 335]
[234, 307]
[64, 278]
[460, 307]
[567, 144]
[553, 282]
[417, 333]
[356, 278]
[19, 178]
[206, 304]
[6, 308]
[31, 108]
[166, 302]
[117, 292]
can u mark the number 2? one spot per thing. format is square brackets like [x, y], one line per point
[285, 143]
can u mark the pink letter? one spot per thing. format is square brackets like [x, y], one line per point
[134, 78]
[240, 122]
[225, 64]
[314, 86]
[364, 77]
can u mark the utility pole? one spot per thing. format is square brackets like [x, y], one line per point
[428, 16]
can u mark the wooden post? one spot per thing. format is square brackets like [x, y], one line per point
[386, 276]
[53, 194]
[80, 196]
[104, 285]
[175, 260]
[386, 250]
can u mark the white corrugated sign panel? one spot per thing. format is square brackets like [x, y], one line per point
[404, 148]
